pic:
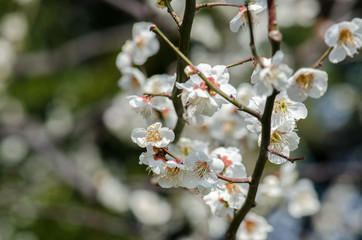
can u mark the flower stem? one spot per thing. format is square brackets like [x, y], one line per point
[292, 160]
[216, 4]
[240, 62]
[234, 180]
[158, 94]
[252, 42]
[319, 62]
[231, 99]
[173, 14]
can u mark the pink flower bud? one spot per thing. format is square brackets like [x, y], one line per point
[190, 70]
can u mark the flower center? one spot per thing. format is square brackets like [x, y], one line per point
[249, 225]
[232, 188]
[172, 172]
[228, 126]
[202, 168]
[160, 154]
[277, 139]
[305, 80]
[281, 106]
[226, 160]
[346, 37]
[140, 41]
[153, 136]
[135, 83]
[225, 203]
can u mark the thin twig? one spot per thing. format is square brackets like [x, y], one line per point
[171, 154]
[275, 37]
[319, 62]
[231, 99]
[252, 42]
[158, 95]
[173, 14]
[292, 160]
[234, 180]
[240, 62]
[216, 4]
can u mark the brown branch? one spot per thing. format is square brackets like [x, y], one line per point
[240, 62]
[184, 48]
[234, 180]
[275, 37]
[173, 14]
[319, 62]
[171, 154]
[216, 4]
[292, 160]
[158, 95]
[252, 42]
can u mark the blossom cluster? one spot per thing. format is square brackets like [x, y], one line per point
[216, 170]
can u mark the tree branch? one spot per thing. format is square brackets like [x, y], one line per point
[319, 62]
[173, 14]
[265, 137]
[252, 42]
[158, 95]
[184, 47]
[216, 4]
[234, 180]
[240, 62]
[292, 160]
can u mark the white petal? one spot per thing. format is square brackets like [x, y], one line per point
[337, 54]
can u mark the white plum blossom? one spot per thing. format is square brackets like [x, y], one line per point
[345, 38]
[154, 158]
[160, 83]
[231, 193]
[149, 208]
[218, 206]
[253, 227]
[201, 170]
[145, 42]
[241, 18]
[155, 135]
[286, 109]
[256, 103]
[172, 174]
[274, 76]
[288, 175]
[254, 75]
[199, 98]
[244, 92]
[186, 145]
[143, 105]
[269, 193]
[307, 82]
[132, 79]
[283, 139]
[303, 199]
[124, 58]
[231, 158]
[228, 125]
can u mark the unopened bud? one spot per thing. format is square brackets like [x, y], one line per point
[190, 70]
[161, 3]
